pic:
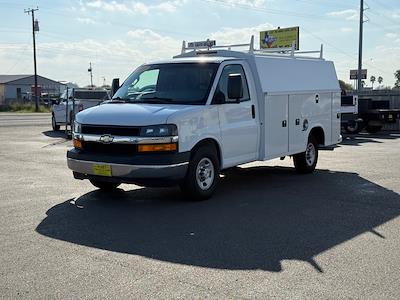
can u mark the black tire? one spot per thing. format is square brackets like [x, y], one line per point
[353, 128]
[205, 158]
[373, 129]
[55, 126]
[306, 162]
[105, 185]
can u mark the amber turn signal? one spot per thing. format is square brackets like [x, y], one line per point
[77, 144]
[157, 147]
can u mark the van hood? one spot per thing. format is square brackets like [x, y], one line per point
[130, 114]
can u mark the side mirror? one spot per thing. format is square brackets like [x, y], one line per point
[114, 86]
[235, 87]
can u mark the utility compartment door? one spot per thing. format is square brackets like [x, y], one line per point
[297, 136]
[335, 118]
[276, 126]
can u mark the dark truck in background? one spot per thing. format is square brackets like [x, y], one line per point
[365, 112]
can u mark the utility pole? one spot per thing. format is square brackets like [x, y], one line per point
[360, 46]
[35, 27]
[90, 70]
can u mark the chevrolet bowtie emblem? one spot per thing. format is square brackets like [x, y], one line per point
[106, 139]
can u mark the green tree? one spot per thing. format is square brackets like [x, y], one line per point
[397, 76]
[345, 86]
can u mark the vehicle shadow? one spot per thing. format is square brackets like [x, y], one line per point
[55, 134]
[362, 138]
[258, 218]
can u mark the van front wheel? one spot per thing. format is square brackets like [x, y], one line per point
[54, 124]
[104, 185]
[202, 175]
[306, 162]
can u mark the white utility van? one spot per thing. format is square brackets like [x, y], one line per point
[183, 120]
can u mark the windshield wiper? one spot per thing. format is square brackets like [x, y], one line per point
[118, 100]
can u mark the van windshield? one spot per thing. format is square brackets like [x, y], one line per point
[174, 83]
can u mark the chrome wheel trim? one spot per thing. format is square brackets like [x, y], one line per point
[310, 154]
[205, 173]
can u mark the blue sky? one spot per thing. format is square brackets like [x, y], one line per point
[118, 35]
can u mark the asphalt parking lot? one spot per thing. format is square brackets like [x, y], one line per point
[267, 233]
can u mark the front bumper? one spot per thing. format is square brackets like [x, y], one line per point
[141, 169]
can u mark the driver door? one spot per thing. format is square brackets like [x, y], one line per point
[238, 120]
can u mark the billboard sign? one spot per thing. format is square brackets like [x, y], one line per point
[353, 74]
[280, 38]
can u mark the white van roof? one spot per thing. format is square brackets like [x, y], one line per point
[277, 73]
[281, 74]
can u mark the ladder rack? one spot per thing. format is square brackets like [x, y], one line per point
[286, 52]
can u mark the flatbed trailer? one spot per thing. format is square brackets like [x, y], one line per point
[366, 113]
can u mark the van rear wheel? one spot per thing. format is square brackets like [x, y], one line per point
[203, 174]
[306, 162]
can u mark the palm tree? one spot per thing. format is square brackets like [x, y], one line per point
[372, 79]
[380, 80]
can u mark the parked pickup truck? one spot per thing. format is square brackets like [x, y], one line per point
[183, 120]
[75, 101]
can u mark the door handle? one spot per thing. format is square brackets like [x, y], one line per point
[297, 121]
[253, 111]
[284, 123]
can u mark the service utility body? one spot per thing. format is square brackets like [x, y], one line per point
[183, 120]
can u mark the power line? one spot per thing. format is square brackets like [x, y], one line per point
[268, 10]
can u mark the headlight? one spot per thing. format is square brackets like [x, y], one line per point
[159, 130]
[77, 127]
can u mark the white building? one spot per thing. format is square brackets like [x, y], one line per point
[21, 87]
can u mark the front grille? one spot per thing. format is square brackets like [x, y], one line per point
[112, 130]
[117, 149]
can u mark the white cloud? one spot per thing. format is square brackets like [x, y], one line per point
[346, 29]
[251, 3]
[85, 20]
[396, 15]
[133, 7]
[228, 35]
[347, 14]
[392, 35]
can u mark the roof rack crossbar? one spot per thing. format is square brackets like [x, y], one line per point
[250, 45]
[288, 51]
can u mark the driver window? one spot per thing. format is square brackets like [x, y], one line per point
[147, 81]
[221, 92]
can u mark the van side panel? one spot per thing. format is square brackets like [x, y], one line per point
[307, 111]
